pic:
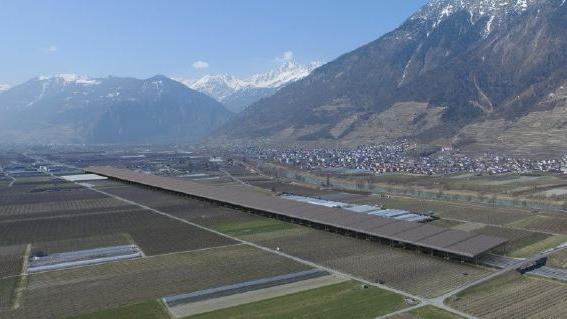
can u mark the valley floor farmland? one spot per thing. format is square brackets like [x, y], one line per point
[184, 258]
[514, 296]
[179, 258]
[410, 271]
[87, 289]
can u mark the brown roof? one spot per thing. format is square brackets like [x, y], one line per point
[457, 242]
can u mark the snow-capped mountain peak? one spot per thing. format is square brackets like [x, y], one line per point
[68, 79]
[492, 12]
[288, 72]
[238, 93]
[219, 86]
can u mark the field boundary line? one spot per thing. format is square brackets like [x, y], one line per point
[131, 240]
[397, 312]
[188, 251]
[7, 221]
[21, 285]
[165, 308]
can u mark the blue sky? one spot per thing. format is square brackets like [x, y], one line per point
[146, 37]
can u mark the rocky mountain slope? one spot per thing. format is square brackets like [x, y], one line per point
[236, 94]
[74, 109]
[453, 71]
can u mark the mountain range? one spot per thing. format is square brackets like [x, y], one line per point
[478, 74]
[236, 93]
[481, 75]
[69, 108]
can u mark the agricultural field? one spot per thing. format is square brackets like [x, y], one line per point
[514, 296]
[7, 288]
[23, 209]
[517, 239]
[48, 197]
[558, 259]
[46, 217]
[145, 310]
[81, 243]
[540, 246]
[410, 271]
[92, 288]
[419, 273]
[506, 184]
[287, 188]
[251, 227]
[426, 312]
[200, 212]
[153, 233]
[552, 223]
[147, 196]
[456, 210]
[106, 183]
[343, 300]
[11, 260]
[82, 219]
[36, 183]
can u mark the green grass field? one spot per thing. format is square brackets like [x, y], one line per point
[344, 300]
[539, 246]
[431, 312]
[558, 259]
[493, 284]
[256, 226]
[7, 286]
[146, 310]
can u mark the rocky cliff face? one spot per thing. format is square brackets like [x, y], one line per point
[451, 68]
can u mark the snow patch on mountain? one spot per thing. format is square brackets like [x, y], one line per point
[4, 87]
[69, 79]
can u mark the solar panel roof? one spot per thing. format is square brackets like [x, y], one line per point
[457, 242]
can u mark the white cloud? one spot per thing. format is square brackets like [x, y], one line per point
[200, 65]
[287, 56]
[4, 87]
[51, 49]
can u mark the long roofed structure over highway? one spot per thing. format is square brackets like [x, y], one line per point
[461, 244]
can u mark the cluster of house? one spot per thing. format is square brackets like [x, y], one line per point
[402, 156]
